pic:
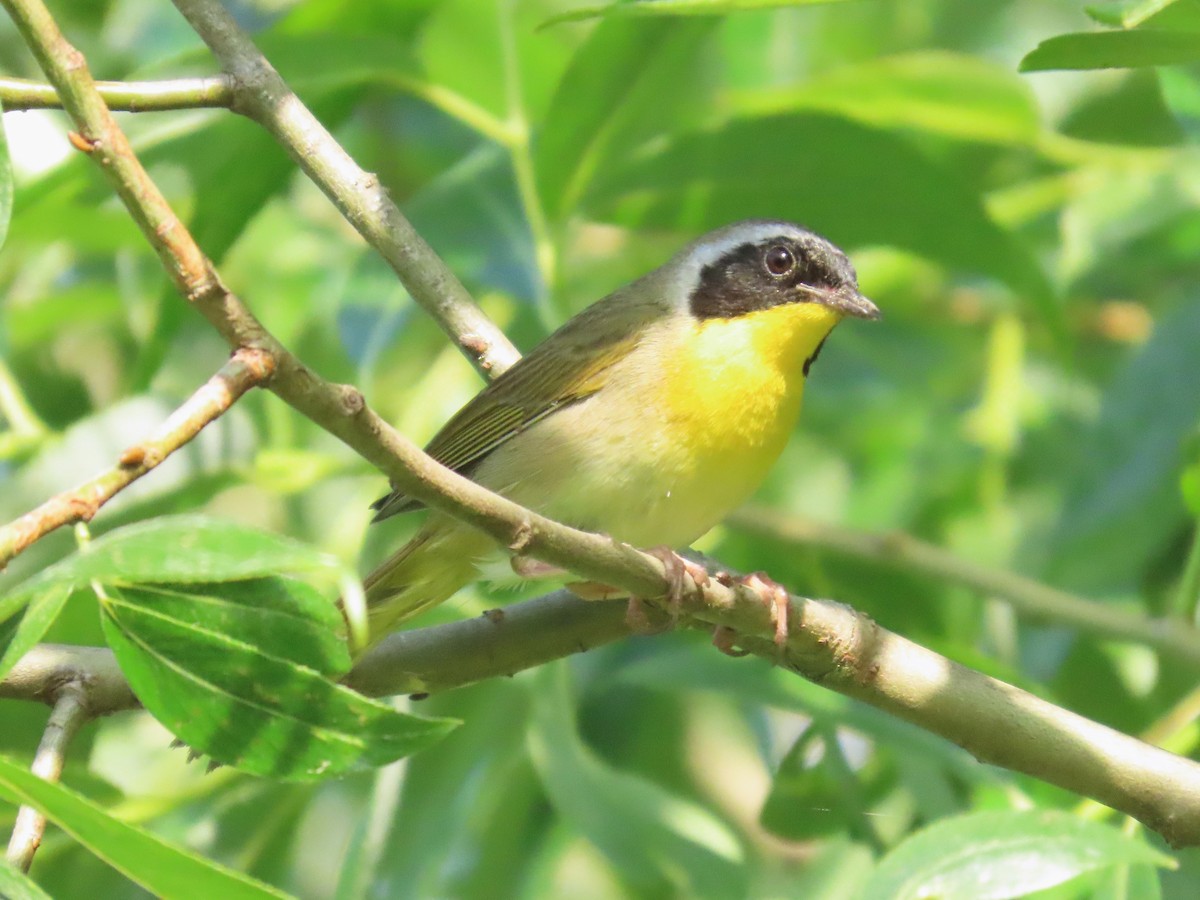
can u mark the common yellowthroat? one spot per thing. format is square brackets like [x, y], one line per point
[648, 416]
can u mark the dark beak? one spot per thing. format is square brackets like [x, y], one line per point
[850, 302]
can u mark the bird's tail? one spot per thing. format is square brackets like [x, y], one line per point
[420, 575]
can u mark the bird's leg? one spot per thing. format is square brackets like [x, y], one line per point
[675, 569]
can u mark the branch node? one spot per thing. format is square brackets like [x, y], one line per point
[522, 538]
[479, 347]
[81, 143]
[259, 361]
[351, 399]
[133, 458]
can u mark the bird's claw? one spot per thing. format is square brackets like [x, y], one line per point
[724, 638]
[775, 596]
[675, 569]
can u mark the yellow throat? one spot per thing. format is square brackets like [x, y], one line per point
[736, 384]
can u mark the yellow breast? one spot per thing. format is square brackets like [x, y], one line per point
[731, 396]
[684, 434]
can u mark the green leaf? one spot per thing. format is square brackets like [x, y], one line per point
[808, 167]
[809, 799]
[998, 855]
[35, 621]
[15, 885]
[618, 88]
[1127, 13]
[448, 836]
[653, 837]
[1123, 501]
[675, 8]
[6, 186]
[183, 549]
[949, 94]
[1114, 50]
[250, 686]
[159, 867]
[1189, 487]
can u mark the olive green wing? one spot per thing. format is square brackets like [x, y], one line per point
[567, 367]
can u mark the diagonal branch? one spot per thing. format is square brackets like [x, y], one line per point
[1176, 639]
[828, 643]
[261, 94]
[245, 369]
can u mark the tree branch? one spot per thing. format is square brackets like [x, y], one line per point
[127, 96]
[69, 713]
[261, 94]
[244, 370]
[1176, 639]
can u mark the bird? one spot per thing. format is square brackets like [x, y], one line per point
[647, 417]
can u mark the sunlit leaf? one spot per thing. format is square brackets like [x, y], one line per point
[620, 85]
[956, 95]
[1132, 13]
[161, 868]
[998, 855]
[675, 8]
[6, 187]
[16, 886]
[1113, 50]
[18, 638]
[187, 548]
[246, 680]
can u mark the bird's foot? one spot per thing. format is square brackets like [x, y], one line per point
[675, 569]
[775, 596]
[724, 638]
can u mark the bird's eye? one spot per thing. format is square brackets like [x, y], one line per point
[779, 261]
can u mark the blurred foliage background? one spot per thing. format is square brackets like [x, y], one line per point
[1030, 402]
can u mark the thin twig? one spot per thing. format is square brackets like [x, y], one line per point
[127, 96]
[1179, 640]
[69, 713]
[244, 370]
[262, 94]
